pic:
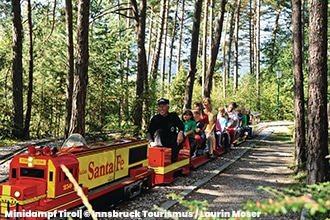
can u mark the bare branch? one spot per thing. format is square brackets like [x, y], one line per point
[53, 24]
[115, 11]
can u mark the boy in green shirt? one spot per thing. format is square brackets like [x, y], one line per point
[189, 129]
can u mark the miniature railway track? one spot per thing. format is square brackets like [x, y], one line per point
[22, 147]
[16, 150]
[10, 156]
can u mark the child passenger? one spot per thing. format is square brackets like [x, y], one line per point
[222, 125]
[241, 121]
[223, 118]
[200, 136]
[189, 129]
[245, 124]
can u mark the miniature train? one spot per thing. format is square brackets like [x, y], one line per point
[106, 171]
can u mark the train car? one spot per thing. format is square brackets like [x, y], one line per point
[166, 171]
[112, 171]
[204, 157]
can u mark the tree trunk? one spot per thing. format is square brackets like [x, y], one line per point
[204, 54]
[69, 67]
[215, 50]
[251, 33]
[228, 58]
[257, 53]
[151, 21]
[164, 48]
[212, 4]
[30, 86]
[237, 12]
[155, 59]
[298, 87]
[77, 124]
[180, 38]
[127, 65]
[193, 55]
[224, 54]
[317, 164]
[142, 70]
[169, 76]
[272, 51]
[303, 32]
[230, 44]
[17, 68]
[120, 99]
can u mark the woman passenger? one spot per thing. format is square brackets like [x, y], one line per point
[202, 117]
[209, 131]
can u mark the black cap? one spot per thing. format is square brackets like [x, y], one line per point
[163, 101]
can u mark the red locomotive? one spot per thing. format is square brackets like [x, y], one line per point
[106, 171]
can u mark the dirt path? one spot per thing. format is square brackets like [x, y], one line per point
[266, 164]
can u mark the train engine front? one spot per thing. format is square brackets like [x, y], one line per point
[38, 184]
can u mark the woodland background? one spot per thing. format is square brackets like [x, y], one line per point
[113, 58]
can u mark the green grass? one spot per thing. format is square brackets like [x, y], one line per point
[5, 142]
[281, 138]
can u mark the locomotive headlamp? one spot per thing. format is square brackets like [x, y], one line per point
[17, 194]
[30, 161]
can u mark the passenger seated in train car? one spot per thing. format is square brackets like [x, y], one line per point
[209, 131]
[222, 136]
[233, 120]
[200, 137]
[203, 118]
[162, 130]
[240, 129]
[189, 129]
[248, 116]
[245, 124]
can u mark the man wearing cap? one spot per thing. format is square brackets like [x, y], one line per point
[162, 131]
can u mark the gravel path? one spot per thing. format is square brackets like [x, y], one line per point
[266, 164]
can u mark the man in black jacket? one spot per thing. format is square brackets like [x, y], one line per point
[162, 131]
